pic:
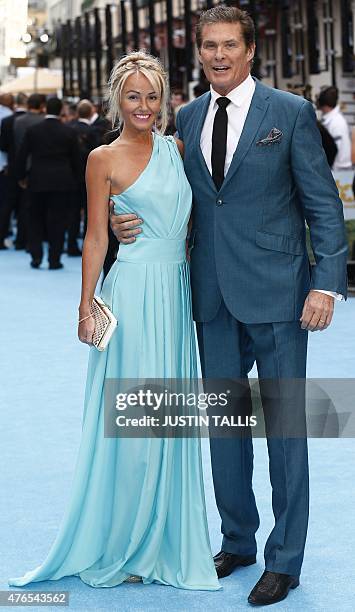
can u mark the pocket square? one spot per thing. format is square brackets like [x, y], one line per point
[275, 135]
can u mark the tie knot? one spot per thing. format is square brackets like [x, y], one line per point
[223, 102]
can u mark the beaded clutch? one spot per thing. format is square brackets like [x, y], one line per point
[105, 323]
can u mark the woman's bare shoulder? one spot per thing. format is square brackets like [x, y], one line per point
[104, 152]
[97, 155]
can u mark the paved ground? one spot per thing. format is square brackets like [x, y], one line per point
[42, 372]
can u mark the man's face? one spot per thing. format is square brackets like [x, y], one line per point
[224, 56]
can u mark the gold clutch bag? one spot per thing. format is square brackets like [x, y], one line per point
[105, 323]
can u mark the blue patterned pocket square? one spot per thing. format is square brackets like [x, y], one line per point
[274, 136]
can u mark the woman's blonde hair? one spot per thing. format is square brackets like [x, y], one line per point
[152, 69]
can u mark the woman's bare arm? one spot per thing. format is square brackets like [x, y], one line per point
[96, 239]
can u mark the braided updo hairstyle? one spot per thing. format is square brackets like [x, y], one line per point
[152, 69]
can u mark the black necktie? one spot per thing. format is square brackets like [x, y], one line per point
[219, 141]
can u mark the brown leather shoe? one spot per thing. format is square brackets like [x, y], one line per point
[271, 588]
[225, 563]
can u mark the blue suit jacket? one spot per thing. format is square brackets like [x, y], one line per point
[248, 240]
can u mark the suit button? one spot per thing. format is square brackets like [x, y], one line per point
[219, 202]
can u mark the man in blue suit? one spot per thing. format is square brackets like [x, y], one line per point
[254, 159]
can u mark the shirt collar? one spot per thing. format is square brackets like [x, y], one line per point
[94, 117]
[239, 94]
[327, 116]
[82, 120]
[52, 116]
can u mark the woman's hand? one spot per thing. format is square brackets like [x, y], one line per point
[86, 330]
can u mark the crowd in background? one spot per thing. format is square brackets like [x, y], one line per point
[44, 146]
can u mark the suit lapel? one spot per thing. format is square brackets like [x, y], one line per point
[205, 102]
[257, 110]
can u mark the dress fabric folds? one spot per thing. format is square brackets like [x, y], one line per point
[137, 505]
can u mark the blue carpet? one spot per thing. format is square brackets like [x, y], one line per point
[43, 369]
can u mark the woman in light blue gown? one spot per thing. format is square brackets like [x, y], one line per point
[137, 507]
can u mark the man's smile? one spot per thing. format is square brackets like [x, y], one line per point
[221, 68]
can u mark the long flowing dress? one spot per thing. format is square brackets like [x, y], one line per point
[137, 505]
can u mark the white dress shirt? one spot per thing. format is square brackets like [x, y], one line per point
[237, 111]
[337, 126]
[93, 118]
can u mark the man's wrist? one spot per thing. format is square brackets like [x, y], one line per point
[337, 296]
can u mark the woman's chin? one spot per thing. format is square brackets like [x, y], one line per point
[142, 126]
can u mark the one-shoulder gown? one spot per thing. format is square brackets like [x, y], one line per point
[137, 505]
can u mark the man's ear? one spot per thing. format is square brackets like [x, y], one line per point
[199, 55]
[251, 52]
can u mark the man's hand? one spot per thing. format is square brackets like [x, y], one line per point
[125, 227]
[317, 311]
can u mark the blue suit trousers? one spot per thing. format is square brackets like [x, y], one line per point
[228, 349]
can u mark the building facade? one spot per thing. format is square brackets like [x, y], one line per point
[302, 45]
[13, 23]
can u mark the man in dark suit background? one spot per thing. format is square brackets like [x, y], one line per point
[14, 193]
[72, 114]
[6, 110]
[101, 126]
[36, 106]
[88, 139]
[52, 178]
